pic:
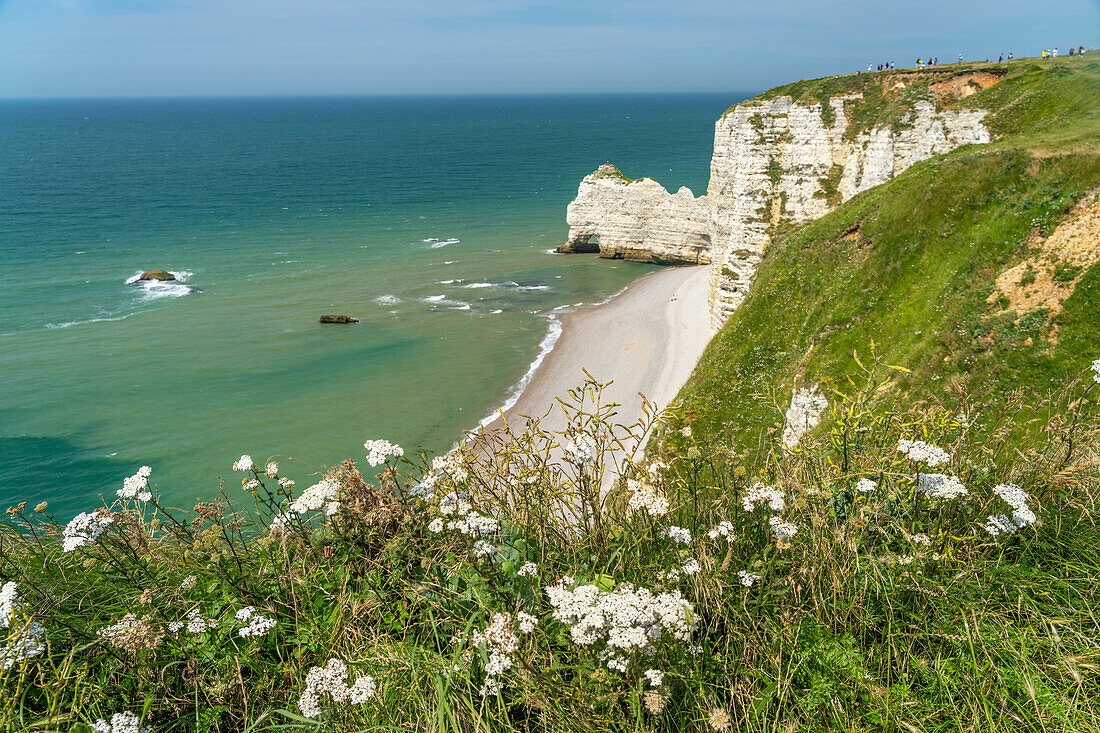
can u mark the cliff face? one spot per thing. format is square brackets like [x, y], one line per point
[637, 220]
[777, 163]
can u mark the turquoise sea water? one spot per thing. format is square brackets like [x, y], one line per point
[429, 219]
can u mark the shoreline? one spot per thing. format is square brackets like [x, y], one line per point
[646, 338]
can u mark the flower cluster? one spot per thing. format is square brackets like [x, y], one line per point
[500, 641]
[271, 470]
[124, 722]
[451, 465]
[681, 535]
[865, 486]
[194, 624]
[940, 486]
[529, 570]
[1096, 371]
[921, 452]
[244, 463]
[582, 449]
[137, 486]
[723, 529]
[625, 620]
[321, 494]
[9, 603]
[783, 530]
[331, 680]
[748, 579]
[84, 528]
[759, 494]
[24, 643]
[469, 522]
[655, 677]
[644, 496]
[1022, 515]
[379, 450]
[257, 625]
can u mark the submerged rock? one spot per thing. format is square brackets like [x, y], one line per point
[338, 319]
[157, 275]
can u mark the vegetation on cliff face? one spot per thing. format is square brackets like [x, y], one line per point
[925, 560]
[910, 267]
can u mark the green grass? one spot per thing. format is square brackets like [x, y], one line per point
[909, 265]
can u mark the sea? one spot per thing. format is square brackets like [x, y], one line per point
[430, 219]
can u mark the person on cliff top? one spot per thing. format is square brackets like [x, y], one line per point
[1001, 60]
[960, 58]
[1009, 55]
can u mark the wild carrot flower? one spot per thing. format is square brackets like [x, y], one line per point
[379, 450]
[691, 567]
[436, 525]
[940, 486]
[451, 465]
[1096, 371]
[244, 463]
[189, 582]
[136, 486]
[677, 534]
[921, 539]
[865, 486]
[286, 483]
[482, 547]
[83, 529]
[759, 494]
[272, 469]
[921, 452]
[500, 641]
[723, 529]
[316, 496]
[331, 680]
[124, 722]
[719, 720]
[783, 530]
[748, 579]
[527, 622]
[24, 642]
[529, 570]
[646, 497]
[257, 625]
[582, 449]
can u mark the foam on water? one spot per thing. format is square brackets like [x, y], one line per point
[387, 299]
[436, 243]
[164, 289]
[478, 285]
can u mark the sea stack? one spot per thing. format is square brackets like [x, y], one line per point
[157, 275]
[338, 319]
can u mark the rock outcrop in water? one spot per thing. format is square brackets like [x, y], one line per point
[777, 163]
[337, 319]
[637, 220]
[162, 275]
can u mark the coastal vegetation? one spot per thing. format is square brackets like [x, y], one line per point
[924, 560]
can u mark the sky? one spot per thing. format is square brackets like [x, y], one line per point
[130, 48]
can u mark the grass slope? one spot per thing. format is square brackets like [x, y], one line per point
[908, 266]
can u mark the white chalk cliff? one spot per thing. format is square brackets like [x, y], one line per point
[776, 163]
[637, 220]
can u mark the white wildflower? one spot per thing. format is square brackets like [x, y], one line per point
[280, 521]
[271, 470]
[1000, 524]
[436, 525]
[646, 497]
[1096, 371]
[251, 484]
[136, 486]
[1022, 514]
[528, 570]
[866, 486]
[257, 625]
[194, 623]
[379, 450]
[332, 508]
[526, 622]
[24, 642]
[482, 547]
[582, 449]
[691, 567]
[723, 529]
[677, 534]
[83, 529]
[655, 677]
[316, 496]
[331, 680]
[686, 431]
[921, 539]
[189, 582]
[921, 452]
[759, 494]
[500, 641]
[748, 579]
[286, 483]
[244, 463]
[9, 603]
[124, 722]
[940, 486]
[451, 465]
[783, 530]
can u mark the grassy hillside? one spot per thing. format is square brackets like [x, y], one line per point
[909, 267]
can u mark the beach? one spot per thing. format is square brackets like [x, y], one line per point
[646, 339]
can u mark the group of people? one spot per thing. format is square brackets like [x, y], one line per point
[935, 60]
[1053, 53]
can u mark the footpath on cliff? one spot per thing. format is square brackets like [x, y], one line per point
[645, 341]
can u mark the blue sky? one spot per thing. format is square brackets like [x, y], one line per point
[63, 48]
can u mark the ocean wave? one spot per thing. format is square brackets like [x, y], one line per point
[435, 298]
[545, 347]
[478, 285]
[463, 307]
[532, 287]
[161, 288]
[387, 299]
[436, 243]
[67, 324]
